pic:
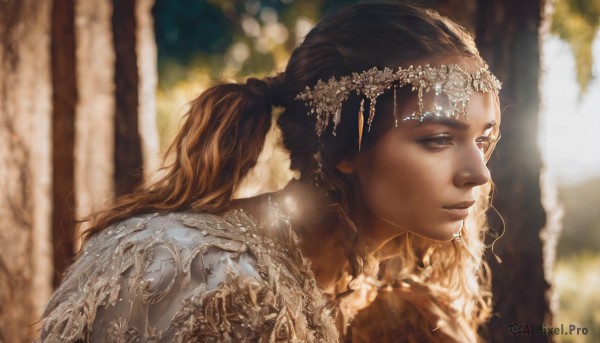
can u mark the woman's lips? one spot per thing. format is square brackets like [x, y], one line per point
[459, 210]
[458, 213]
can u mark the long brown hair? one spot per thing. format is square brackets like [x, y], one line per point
[452, 281]
[219, 142]
[226, 126]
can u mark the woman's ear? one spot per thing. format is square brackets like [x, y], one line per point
[345, 167]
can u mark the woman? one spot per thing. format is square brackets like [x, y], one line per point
[389, 116]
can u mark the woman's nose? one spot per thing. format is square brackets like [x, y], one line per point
[472, 170]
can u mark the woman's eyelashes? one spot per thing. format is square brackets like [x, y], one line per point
[440, 141]
[437, 142]
[484, 143]
[487, 143]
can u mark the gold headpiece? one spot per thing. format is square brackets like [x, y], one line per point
[455, 83]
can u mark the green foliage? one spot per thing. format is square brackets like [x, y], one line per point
[581, 223]
[192, 34]
[577, 22]
[203, 41]
[576, 280]
[185, 29]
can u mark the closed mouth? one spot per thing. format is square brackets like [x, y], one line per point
[457, 213]
[460, 205]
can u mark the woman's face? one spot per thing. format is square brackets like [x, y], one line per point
[422, 176]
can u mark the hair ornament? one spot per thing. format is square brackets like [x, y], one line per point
[452, 87]
[361, 123]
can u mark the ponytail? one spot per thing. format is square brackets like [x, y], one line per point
[216, 147]
[218, 144]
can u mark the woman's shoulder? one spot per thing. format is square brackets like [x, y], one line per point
[176, 228]
[171, 276]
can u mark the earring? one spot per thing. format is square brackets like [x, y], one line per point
[395, 112]
[457, 236]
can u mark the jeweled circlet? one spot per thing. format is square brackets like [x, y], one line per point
[325, 99]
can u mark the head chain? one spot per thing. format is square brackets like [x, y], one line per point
[325, 99]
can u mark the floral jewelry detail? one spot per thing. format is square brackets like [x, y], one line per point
[457, 236]
[325, 99]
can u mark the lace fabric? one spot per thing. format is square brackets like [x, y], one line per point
[190, 277]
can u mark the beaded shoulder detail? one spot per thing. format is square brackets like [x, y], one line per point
[190, 277]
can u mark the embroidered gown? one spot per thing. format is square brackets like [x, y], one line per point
[190, 277]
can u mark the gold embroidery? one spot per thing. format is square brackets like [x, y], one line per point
[190, 277]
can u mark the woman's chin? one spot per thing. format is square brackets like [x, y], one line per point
[442, 233]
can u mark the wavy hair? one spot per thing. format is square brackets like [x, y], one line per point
[449, 284]
[218, 144]
[225, 131]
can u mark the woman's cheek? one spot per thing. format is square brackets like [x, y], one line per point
[385, 198]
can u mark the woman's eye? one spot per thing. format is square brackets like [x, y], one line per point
[484, 143]
[437, 142]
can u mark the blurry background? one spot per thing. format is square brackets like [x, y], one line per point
[569, 132]
[92, 92]
[569, 124]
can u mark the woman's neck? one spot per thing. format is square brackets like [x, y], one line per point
[321, 242]
[373, 232]
[326, 242]
[327, 252]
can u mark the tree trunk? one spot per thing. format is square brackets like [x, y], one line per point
[58, 145]
[25, 166]
[508, 36]
[148, 80]
[116, 116]
[94, 126]
[64, 100]
[128, 150]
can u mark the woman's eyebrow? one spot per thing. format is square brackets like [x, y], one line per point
[451, 122]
